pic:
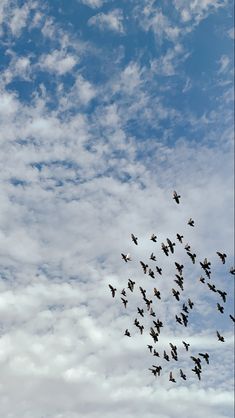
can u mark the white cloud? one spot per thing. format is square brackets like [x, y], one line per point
[224, 63]
[58, 61]
[92, 3]
[231, 33]
[112, 21]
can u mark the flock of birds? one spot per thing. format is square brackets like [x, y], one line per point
[168, 248]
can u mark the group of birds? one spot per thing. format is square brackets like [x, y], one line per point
[182, 318]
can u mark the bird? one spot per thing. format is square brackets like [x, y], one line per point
[165, 248]
[197, 361]
[205, 356]
[154, 371]
[152, 313]
[156, 353]
[157, 293]
[211, 287]
[127, 333]
[158, 324]
[185, 308]
[123, 292]
[179, 282]
[165, 356]
[158, 369]
[148, 303]
[171, 378]
[170, 245]
[150, 348]
[184, 318]
[173, 347]
[205, 264]
[187, 247]
[134, 239]
[202, 279]
[190, 303]
[222, 294]
[159, 270]
[179, 268]
[136, 322]
[232, 317]
[220, 308]
[151, 273]
[191, 222]
[192, 256]
[176, 197]
[208, 273]
[182, 375]
[174, 356]
[222, 256]
[125, 301]
[144, 266]
[180, 238]
[140, 311]
[178, 319]
[113, 290]
[131, 285]
[126, 257]
[143, 291]
[197, 371]
[153, 334]
[152, 257]
[232, 270]
[220, 337]
[176, 294]
[141, 328]
[153, 238]
[187, 345]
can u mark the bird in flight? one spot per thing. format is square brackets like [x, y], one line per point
[157, 293]
[179, 268]
[176, 294]
[151, 273]
[134, 239]
[170, 245]
[220, 308]
[125, 301]
[180, 238]
[197, 371]
[192, 256]
[232, 317]
[171, 378]
[232, 270]
[131, 285]
[126, 257]
[222, 256]
[165, 249]
[159, 270]
[152, 257]
[113, 290]
[150, 348]
[176, 197]
[205, 356]
[127, 333]
[141, 312]
[182, 375]
[220, 337]
[187, 345]
[222, 294]
[190, 303]
[153, 238]
[144, 266]
[191, 222]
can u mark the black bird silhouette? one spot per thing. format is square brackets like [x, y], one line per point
[152, 313]
[158, 324]
[141, 328]
[143, 291]
[152, 257]
[123, 292]
[232, 270]
[136, 322]
[158, 369]
[153, 334]
[222, 256]
[156, 353]
[205, 356]
[125, 301]
[157, 293]
[192, 256]
[159, 270]
[154, 371]
[176, 197]
[134, 239]
[131, 285]
[190, 303]
[182, 375]
[191, 222]
[173, 348]
[176, 294]
[220, 337]
[150, 348]
[187, 247]
[180, 238]
[126, 257]
[197, 361]
[127, 333]
[232, 317]
[170, 245]
[222, 294]
[179, 268]
[220, 308]
[178, 319]
[113, 290]
[202, 279]
[179, 282]
[185, 308]
[153, 238]
[184, 318]
[208, 273]
[187, 345]
[205, 264]
[174, 356]
[140, 311]
[151, 273]
[148, 303]
[197, 371]
[165, 248]
[144, 266]
[211, 287]
[171, 378]
[165, 356]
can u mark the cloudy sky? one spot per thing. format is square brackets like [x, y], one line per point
[106, 107]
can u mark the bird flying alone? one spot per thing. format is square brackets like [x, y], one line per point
[191, 222]
[222, 256]
[134, 239]
[153, 238]
[176, 197]
[113, 290]
[126, 257]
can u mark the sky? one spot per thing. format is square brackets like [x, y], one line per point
[106, 107]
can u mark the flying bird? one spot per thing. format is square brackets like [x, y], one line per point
[191, 222]
[187, 247]
[134, 239]
[179, 268]
[178, 319]
[140, 311]
[176, 197]
[185, 308]
[131, 285]
[232, 317]
[165, 356]
[180, 238]
[153, 334]
[171, 378]
[176, 294]
[157, 293]
[205, 356]
[113, 290]
[165, 248]
[197, 371]
[126, 257]
[152, 257]
[150, 348]
[153, 238]
[222, 294]
[187, 345]
[184, 318]
[127, 333]
[143, 291]
[152, 313]
[159, 270]
[220, 308]
[232, 270]
[156, 353]
[192, 256]
[190, 303]
[144, 266]
[197, 361]
[123, 292]
[151, 273]
[205, 264]
[125, 301]
[182, 375]
[202, 279]
[222, 256]
[211, 287]
[170, 245]
[220, 337]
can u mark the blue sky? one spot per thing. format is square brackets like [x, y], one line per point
[106, 107]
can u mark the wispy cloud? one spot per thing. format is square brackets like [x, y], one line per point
[112, 20]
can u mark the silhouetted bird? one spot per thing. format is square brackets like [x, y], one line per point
[191, 222]
[187, 345]
[153, 238]
[180, 238]
[190, 303]
[232, 317]
[152, 257]
[192, 256]
[153, 334]
[184, 318]
[144, 266]
[178, 319]
[141, 328]
[205, 264]
[143, 291]
[123, 292]
[222, 256]
[127, 333]
[157, 293]
[176, 294]
[125, 301]
[179, 268]
[170, 245]
[185, 308]
[150, 348]
[182, 375]
[208, 273]
[165, 248]
[202, 279]
[187, 247]
[158, 369]
[165, 356]
[220, 308]
[179, 283]
[158, 324]
[171, 378]
[141, 312]
[222, 294]
[232, 270]
[156, 353]
[173, 347]
[197, 361]
[176, 197]
[174, 356]
[126, 257]
[220, 337]
[197, 371]
[151, 273]
[134, 239]
[131, 285]
[152, 313]
[159, 270]
[148, 303]
[205, 356]
[211, 287]
[113, 290]
[136, 322]
[154, 371]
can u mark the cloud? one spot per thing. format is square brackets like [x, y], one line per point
[111, 21]
[224, 63]
[58, 62]
[231, 33]
[92, 3]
